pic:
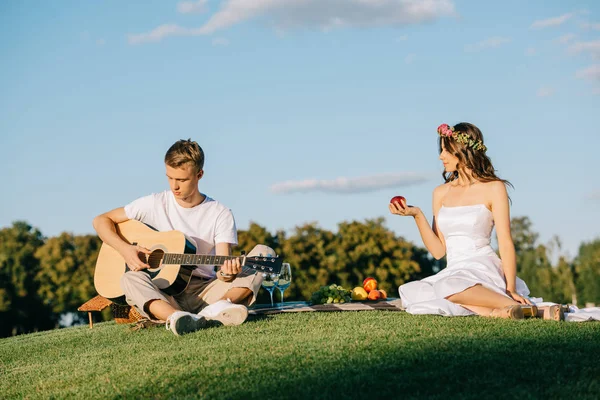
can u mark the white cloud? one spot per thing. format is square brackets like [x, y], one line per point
[487, 43]
[188, 7]
[530, 51]
[410, 58]
[325, 15]
[591, 73]
[345, 185]
[402, 38]
[545, 91]
[591, 26]
[564, 39]
[551, 22]
[160, 32]
[220, 41]
[595, 196]
[332, 13]
[593, 47]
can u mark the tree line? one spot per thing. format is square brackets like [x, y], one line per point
[45, 278]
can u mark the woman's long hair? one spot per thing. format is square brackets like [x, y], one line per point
[476, 160]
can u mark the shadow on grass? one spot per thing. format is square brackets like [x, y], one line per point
[550, 366]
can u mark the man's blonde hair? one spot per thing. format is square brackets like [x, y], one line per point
[185, 152]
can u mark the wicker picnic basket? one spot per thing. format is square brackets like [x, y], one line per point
[125, 314]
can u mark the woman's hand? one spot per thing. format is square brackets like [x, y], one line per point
[407, 211]
[517, 297]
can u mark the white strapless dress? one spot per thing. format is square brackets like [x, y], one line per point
[471, 261]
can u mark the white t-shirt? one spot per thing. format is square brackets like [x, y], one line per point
[206, 224]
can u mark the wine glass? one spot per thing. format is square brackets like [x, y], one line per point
[269, 283]
[285, 279]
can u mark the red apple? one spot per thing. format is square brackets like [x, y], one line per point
[369, 284]
[398, 199]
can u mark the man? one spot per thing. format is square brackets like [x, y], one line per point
[209, 296]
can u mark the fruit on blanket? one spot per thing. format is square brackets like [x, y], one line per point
[383, 294]
[359, 293]
[398, 199]
[369, 284]
[374, 295]
[332, 294]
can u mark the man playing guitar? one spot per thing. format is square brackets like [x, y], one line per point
[221, 296]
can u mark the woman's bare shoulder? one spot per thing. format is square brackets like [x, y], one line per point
[493, 192]
[441, 189]
[438, 194]
[495, 186]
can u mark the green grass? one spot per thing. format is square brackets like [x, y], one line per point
[344, 355]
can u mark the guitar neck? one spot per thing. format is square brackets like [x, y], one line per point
[195, 259]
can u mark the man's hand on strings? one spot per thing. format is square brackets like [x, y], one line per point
[133, 258]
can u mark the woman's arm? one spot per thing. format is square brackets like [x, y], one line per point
[432, 238]
[501, 214]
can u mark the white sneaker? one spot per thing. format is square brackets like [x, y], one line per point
[182, 322]
[225, 312]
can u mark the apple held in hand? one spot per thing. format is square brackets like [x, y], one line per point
[398, 200]
[369, 284]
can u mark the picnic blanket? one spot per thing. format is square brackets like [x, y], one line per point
[391, 304]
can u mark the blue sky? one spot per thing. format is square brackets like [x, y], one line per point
[307, 110]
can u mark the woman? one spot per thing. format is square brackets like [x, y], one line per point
[465, 208]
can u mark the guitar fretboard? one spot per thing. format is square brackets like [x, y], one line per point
[195, 259]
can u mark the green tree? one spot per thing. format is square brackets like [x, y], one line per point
[21, 309]
[370, 249]
[257, 234]
[358, 250]
[310, 253]
[534, 264]
[532, 259]
[565, 282]
[523, 236]
[587, 267]
[66, 272]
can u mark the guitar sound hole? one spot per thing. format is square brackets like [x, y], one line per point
[155, 258]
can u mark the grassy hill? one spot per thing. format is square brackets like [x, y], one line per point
[344, 355]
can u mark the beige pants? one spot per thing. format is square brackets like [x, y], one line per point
[140, 290]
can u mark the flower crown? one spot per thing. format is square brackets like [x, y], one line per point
[461, 137]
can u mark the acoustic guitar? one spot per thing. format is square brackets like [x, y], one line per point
[171, 262]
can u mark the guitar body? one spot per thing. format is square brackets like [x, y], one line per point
[171, 278]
